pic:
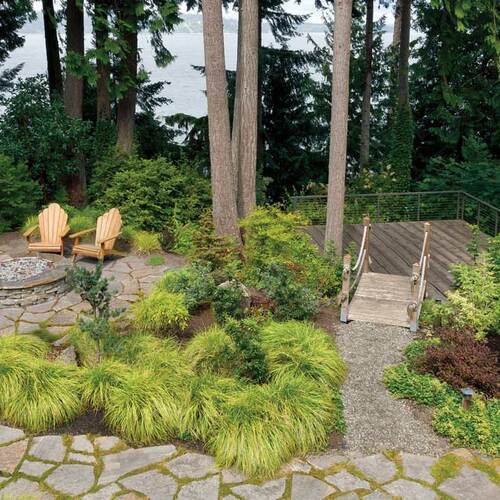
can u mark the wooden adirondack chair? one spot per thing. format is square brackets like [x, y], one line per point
[106, 231]
[53, 227]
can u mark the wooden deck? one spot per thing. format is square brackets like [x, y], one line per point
[395, 246]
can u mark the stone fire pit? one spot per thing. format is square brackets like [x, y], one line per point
[26, 281]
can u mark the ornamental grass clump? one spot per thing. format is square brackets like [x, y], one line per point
[44, 395]
[27, 344]
[142, 410]
[299, 348]
[212, 351]
[306, 407]
[203, 414]
[253, 436]
[145, 243]
[161, 312]
[98, 381]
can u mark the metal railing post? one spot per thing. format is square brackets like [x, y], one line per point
[458, 204]
[496, 224]
[419, 199]
[478, 213]
[378, 207]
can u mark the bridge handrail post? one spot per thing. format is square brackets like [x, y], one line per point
[415, 275]
[367, 227]
[344, 294]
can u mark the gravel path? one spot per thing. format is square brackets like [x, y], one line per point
[375, 420]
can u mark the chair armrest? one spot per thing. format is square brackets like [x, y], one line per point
[100, 242]
[81, 233]
[65, 232]
[30, 231]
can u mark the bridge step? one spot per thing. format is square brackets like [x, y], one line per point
[381, 298]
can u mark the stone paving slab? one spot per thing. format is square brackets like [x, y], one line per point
[54, 467]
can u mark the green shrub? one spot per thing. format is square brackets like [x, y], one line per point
[476, 299]
[20, 194]
[141, 410]
[252, 365]
[300, 349]
[228, 301]
[275, 237]
[477, 427]
[424, 389]
[94, 289]
[212, 351]
[99, 380]
[183, 237]
[493, 256]
[37, 394]
[161, 312]
[292, 299]
[106, 167]
[150, 192]
[145, 243]
[27, 344]
[434, 313]
[36, 131]
[207, 246]
[195, 282]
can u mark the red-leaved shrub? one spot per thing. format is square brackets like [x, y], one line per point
[461, 361]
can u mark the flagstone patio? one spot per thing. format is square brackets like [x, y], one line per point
[130, 277]
[104, 467]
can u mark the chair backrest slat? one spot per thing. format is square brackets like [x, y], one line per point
[108, 224]
[52, 222]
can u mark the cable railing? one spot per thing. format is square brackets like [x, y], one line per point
[405, 206]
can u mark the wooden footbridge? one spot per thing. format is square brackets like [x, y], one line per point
[401, 258]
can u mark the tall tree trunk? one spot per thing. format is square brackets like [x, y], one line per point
[396, 34]
[247, 170]
[338, 125]
[224, 207]
[260, 111]
[52, 49]
[102, 60]
[73, 87]
[364, 150]
[404, 53]
[73, 93]
[125, 108]
[235, 134]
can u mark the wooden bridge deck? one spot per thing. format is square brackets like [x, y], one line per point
[395, 246]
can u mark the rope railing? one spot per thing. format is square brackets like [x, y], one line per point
[362, 265]
[419, 277]
[405, 206]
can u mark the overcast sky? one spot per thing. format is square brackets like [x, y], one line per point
[305, 7]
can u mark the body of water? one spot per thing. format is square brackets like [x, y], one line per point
[186, 85]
